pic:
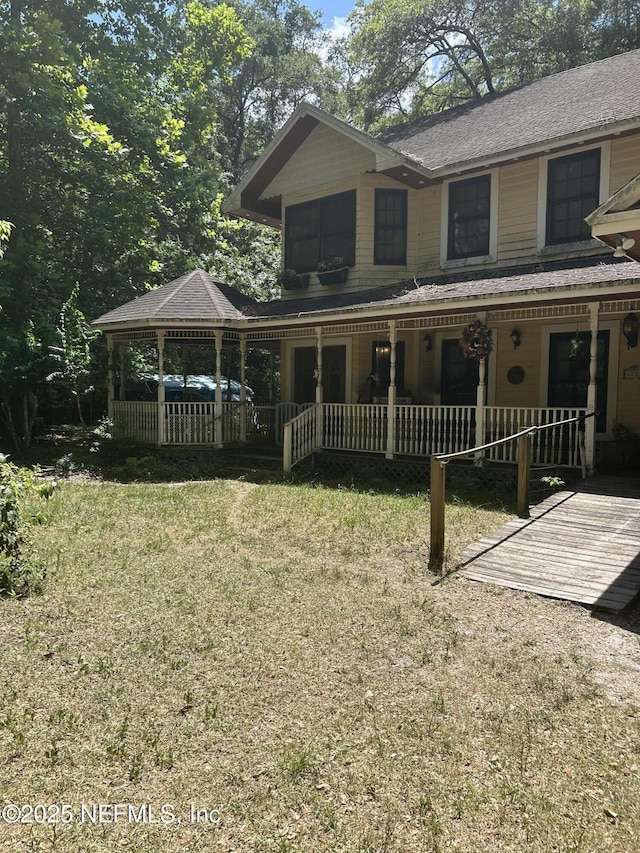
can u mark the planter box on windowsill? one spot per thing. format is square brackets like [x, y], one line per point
[338, 276]
[300, 282]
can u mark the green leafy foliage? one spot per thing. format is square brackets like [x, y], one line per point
[413, 57]
[21, 495]
[74, 354]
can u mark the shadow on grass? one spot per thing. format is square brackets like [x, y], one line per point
[69, 451]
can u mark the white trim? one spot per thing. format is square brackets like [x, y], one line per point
[452, 263]
[543, 170]
[611, 326]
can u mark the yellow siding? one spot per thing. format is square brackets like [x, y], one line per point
[428, 229]
[517, 211]
[364, 273]
[323, 158]
[628, 390]
[527, 356]
[329, 163]
[625, 161]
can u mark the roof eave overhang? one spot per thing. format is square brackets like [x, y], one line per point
[548, 146]
[390, 310]
[247, 199]
[161, 323]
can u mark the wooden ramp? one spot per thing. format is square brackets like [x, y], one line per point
[580, 545]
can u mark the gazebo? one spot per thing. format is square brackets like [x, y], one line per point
[193, 310]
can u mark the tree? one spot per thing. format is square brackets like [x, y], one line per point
[108, 167]
[74, 354]
[414, 57]
[284, 69]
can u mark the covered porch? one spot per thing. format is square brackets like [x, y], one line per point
[554, 355]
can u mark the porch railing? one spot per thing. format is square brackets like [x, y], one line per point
[425, 430]
[135, 421]
[422, 430]
[353, 426]
[555, 445]
[300, 438]
[418, 430]
[190, 423]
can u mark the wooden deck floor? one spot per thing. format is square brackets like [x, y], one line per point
[579, 545]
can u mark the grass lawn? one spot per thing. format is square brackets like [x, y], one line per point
[280, 658]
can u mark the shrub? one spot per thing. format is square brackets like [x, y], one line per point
[20, 494]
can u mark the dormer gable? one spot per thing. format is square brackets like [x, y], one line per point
[308, 131]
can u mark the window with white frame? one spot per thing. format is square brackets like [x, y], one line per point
[390, 242]
[573, 191]
[469, 218]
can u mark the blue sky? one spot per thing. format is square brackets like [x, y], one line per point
[331, 9]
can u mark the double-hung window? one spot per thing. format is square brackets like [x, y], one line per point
[319, 229]
[573, 191]
[390, 244]
[469, 218]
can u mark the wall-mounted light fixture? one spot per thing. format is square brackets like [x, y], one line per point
[428, 343]
[623, 244]
[516, 337]
[630, 326]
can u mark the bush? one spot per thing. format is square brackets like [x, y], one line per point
[20, 494]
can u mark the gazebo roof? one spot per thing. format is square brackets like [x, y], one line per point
[194, 296]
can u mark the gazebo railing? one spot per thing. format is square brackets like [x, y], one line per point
[135, 421]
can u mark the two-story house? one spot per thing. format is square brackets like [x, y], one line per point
[475, 217]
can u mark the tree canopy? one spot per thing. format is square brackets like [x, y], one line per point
[125, 123]
[411, 57]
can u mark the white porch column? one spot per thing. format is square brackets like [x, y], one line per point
[481, 395]
[391, 399]
[218, 402]
[590, 424]
[110, 389]
[272, 364]
[243, 387]
[123, 391]
[319, 390]
[161, 406]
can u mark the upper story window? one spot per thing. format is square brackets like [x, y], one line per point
[390, 245]
[469, 218]
[573, 191]
[319, 229]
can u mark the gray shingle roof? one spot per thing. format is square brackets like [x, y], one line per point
[431, 292]
[194, 296]
[578, 100]
[198, 297]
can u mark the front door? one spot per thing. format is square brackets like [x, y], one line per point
[569, 372]
[334, 373]
[458, 376]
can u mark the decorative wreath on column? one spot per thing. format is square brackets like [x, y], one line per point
[476, 340]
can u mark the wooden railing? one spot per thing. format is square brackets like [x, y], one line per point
[524, 439]
[557, 447]
[423, 430]
[135, 421]
[285, 412]
[190, 423]
[300, 438]
[354, 426]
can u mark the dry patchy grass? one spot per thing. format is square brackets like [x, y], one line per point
[282, 654]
